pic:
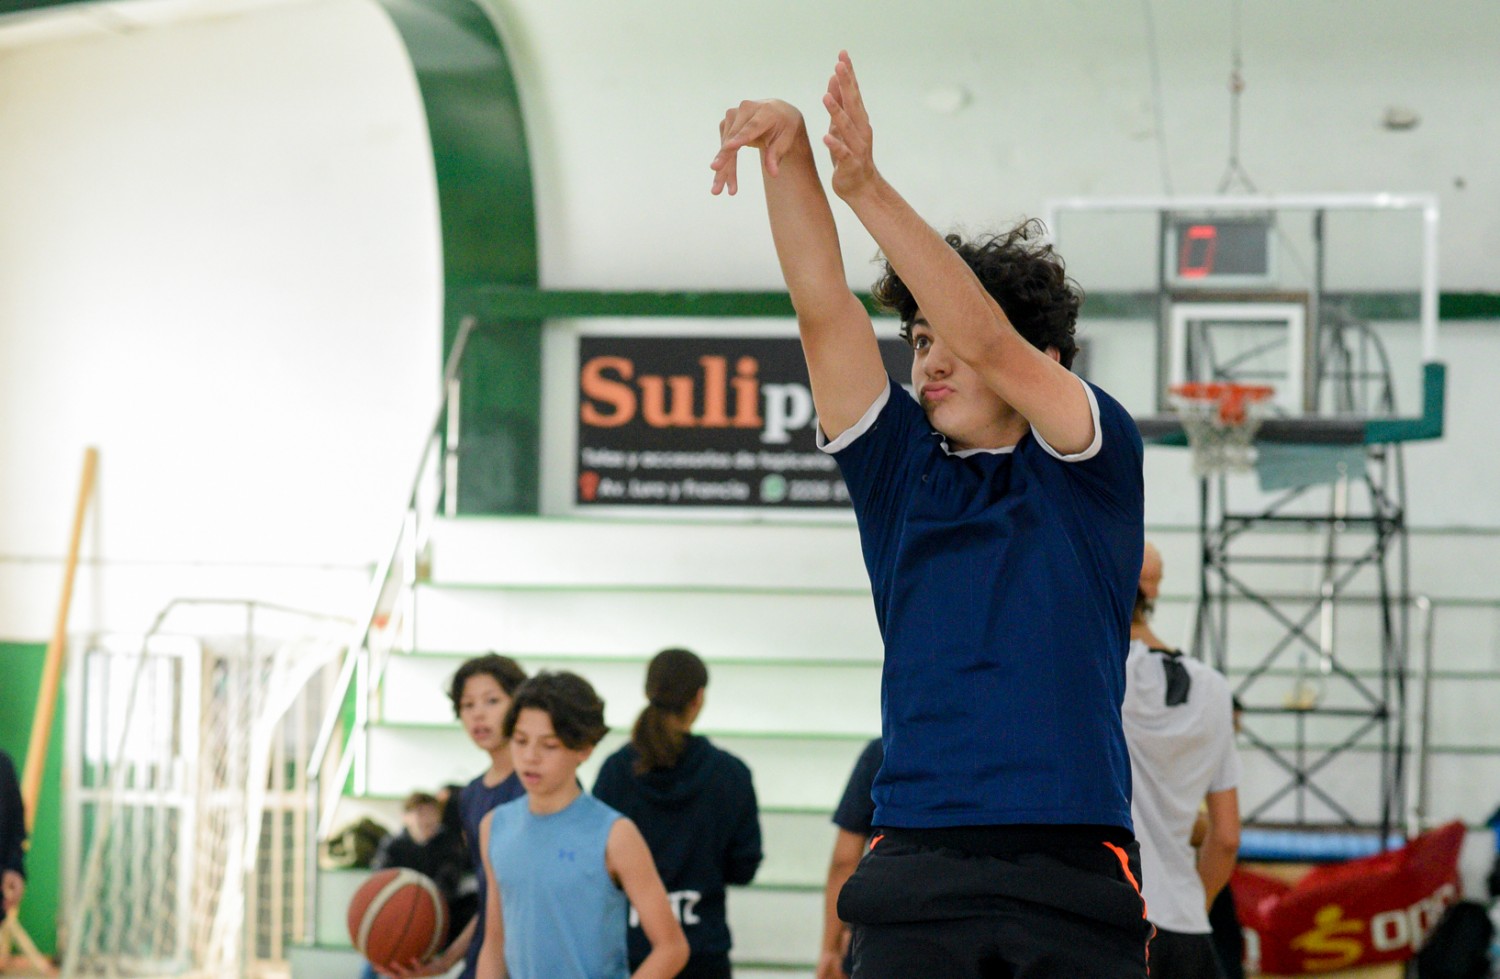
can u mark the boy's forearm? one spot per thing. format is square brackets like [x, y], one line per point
[1215, 866]
[459, 947]
[664, 962]
[833, 926]
[491, 963]
[954, 302]
[806, 238]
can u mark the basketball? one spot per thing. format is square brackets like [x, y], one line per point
[397, 916]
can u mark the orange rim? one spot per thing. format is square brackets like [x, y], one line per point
[1231, 398]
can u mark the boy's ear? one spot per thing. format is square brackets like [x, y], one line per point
[585, 752]
[1055, 354]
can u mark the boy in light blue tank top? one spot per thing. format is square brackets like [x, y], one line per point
[563, 868]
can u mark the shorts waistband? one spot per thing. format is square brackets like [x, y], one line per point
[1010, 840]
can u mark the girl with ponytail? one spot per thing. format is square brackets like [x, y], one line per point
[695, 805]
[675, 683]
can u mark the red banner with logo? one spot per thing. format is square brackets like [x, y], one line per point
[1363, 912]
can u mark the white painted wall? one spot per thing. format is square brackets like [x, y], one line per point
[219, 263]
[624, 99]
[219, 253]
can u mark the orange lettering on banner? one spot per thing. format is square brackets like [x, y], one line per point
[715, 391]
[1329, 951]
[653, 402]
[747, 394]
[668, 402]
[598, 388]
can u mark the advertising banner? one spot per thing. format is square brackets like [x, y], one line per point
[1363, 912]
[703, 421]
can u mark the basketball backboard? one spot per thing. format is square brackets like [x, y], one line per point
[1331, 300]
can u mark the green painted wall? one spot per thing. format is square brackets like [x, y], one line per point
[20, 676]
[489, 238]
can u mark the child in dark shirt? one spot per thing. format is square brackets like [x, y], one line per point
[480, 692]
[12, 839]
[426, 846]
[695, 805]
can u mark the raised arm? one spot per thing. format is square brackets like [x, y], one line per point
[628, 860]
[843, 358]
[955, 304]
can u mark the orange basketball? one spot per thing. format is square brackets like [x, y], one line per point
[397, 916]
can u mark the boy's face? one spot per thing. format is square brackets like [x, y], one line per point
[481, 708]
[958, 403]
[543, 763]
[422, 822]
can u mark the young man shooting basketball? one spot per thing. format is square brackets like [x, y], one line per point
[1001, 524]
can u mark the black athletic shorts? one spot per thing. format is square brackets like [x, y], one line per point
[1032, 906]
[1175, 955]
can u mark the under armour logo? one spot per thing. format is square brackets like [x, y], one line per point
[569, 855]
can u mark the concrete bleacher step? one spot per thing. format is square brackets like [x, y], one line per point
[834, 697]
[781, 613]
[539, 552]
[771, 925]
[626, 619]
[791, 770]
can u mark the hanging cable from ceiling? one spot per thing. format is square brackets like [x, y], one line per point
[1154, 63]
[1233, 171]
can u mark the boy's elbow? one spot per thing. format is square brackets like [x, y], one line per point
[1226, 838]
[677, 952]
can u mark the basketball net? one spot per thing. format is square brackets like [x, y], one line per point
[175, 881]
[1221, 420]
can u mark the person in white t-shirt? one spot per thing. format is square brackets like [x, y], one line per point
[1179, 727]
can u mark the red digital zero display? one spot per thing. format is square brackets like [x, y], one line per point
[1195, 259]
[1227, 250]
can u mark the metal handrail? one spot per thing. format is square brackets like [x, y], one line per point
[359, 669]
[1419, 811]
[382, 574]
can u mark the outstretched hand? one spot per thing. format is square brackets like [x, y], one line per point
[850, 140]
[769, 125]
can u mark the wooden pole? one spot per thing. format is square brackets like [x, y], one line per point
[12, 935]
[46, 698]
[46, 704]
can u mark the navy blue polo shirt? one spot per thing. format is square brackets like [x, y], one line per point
[1003, 583]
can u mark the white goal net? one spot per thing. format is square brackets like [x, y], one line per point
[187, 803]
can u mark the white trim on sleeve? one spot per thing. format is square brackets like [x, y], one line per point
[1094, 446]
[865, 423]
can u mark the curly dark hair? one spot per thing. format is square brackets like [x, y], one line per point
[577, 712]
[506, 671]
[1023, 273]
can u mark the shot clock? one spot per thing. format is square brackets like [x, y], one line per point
[1215, 252]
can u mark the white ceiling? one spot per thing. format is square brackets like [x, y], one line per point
[983, 111]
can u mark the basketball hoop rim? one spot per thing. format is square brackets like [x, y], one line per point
[1228, 395]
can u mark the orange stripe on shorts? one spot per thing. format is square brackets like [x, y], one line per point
[1125, 866]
